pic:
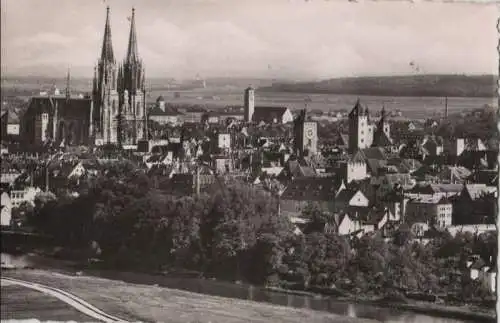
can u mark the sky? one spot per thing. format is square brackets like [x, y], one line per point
[284, 39]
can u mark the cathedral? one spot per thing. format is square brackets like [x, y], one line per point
[119, 109]
[114, 113]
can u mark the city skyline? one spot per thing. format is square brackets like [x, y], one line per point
[308, 40]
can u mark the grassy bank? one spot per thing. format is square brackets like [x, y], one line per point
[150, 303]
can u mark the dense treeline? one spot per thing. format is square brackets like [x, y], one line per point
[479, 123]
[419, 85]
[236, 233]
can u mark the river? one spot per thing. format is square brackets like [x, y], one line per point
[248, 292]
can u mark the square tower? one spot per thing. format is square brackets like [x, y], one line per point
[249, 104]
[360, 129]
[306, 135]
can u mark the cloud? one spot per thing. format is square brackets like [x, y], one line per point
[45, 38]
[298, 39]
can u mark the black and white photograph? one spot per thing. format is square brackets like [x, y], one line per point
[231, 161]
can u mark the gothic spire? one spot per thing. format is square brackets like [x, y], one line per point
[382, 114]
[132, 53]
[107, 46]
[94, 82]
[68, 91]
[357, 110]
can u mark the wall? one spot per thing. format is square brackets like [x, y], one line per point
[6, 212]
[13, 129]
[26, 195]
[472, 228]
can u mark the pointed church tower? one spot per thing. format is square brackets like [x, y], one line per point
[384, 123]
[382, 135]
[105, 98]
[132, 92]
[68, 89]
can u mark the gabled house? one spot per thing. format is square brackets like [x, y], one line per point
[432, 146]
[442, 174]
[271, 114]
[222, 164]
[434, 190]
[295, 169]
[164, 114]
[187, 184]
[435, 211]
[348, 224]
[347, 197]
[395, 203]
[303, 191]
[360, 220]
[386, 183]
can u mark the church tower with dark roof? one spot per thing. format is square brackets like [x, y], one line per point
[382, 135]
[105, 112]
[132, 92]
[360, 129]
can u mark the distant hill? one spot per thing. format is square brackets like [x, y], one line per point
[419, 85]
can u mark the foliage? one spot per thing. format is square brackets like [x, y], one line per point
[480, 123]
[236, 233]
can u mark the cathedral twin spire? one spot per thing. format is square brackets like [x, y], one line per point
[107, 45]
[132, 53]
[131, 74]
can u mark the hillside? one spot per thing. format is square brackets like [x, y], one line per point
[421, 85]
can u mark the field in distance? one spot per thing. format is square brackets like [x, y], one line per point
[221, 92]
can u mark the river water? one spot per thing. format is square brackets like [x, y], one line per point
[248, 292]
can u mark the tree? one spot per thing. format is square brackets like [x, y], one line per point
[402, 235]
[23, 214]
[317, 218]
[267, 258]
[371, 259]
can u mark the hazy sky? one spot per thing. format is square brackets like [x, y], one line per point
[257, 38]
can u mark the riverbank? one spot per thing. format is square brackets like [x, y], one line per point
[456, 312]
[228, 289]
[138, 302]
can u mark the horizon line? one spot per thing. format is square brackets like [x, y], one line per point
[310, 79]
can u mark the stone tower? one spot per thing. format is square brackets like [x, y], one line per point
[131, 91]
[105, 111]
[249, 104]
[360, 130]
[306, 135]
